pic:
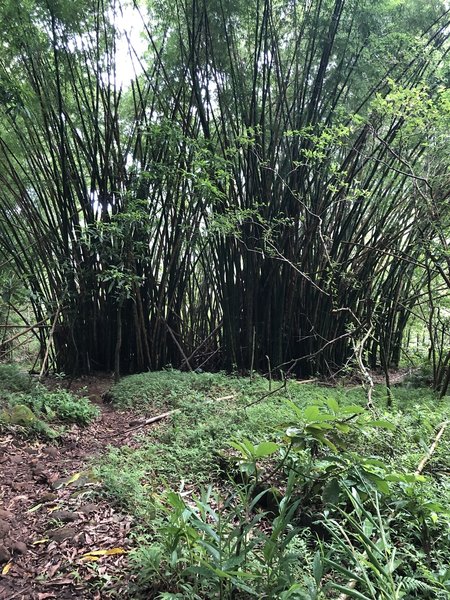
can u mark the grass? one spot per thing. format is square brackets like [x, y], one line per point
[193, 450]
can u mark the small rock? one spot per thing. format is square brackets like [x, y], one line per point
[49, 497]
[66, 516]
[4, 555]
[4, 529]
[5, 515]
[50, 451]
[88, 508]
[19, 547]
[59, 535]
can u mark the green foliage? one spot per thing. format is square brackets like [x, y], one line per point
[59, 406]
[214, 547]
[32, 406]
[305, 463]
[13, 380]
[365, 551]
[362, 540]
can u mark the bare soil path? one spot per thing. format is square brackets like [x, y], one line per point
[52, 516]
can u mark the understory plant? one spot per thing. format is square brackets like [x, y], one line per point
[211, 546]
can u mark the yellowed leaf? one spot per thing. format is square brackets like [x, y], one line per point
[43, 541]
[75, 477]
[90, 558]
[34, 508]
[53, 508]
[109, 552]
[7, 568]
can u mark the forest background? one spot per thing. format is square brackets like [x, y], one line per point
[268, 192]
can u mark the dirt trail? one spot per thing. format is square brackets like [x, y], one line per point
[51, 514]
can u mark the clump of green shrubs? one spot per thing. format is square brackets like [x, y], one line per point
[33, 407]
[59, 405]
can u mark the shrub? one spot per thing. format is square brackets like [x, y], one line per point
[60, 405]
[13, 380]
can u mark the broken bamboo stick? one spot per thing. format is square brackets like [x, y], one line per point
[433, 447]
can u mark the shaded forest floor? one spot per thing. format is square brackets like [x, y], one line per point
[51, 515]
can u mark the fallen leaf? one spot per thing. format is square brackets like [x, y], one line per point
[34, 508]
[74, 478]
[64, 581]
[96, 554]
[89, 557]
[43, 541]
[6, 569]
[52, 570]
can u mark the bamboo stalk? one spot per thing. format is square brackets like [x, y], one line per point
[49, 342]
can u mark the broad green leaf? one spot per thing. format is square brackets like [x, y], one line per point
[331, 492]
[265, 449]
[317, 568]
[343, 571]
[352, 409]
[333, 405]
[311, 413]
[342, 427]
[351, 593]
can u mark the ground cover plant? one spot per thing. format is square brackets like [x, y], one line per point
[30, 406]
[303, 493]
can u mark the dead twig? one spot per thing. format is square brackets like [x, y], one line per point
[27, 330]
[148, 422]
[430, 452]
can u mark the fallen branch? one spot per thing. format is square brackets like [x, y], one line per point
[14, 337]
[177, 344]
[430, 452]
[148, 422]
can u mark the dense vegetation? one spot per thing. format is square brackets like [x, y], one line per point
[293, 495]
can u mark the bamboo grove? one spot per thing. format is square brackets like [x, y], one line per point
[249, 201]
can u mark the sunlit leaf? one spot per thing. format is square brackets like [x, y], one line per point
[74, 478]
[34, 508]
[109, 552]
[265, 449]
